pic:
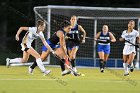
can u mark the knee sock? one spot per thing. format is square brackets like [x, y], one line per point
[73, 63]
[62, 65]
[101, 63]
[40, 64]
[16, 60]
[33, 65]
[125, 65]
[104, 64]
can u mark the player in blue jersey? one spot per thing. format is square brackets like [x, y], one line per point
[103, 49]
[74, 40]
[56, 42]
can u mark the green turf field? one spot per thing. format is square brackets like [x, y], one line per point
[17, 80]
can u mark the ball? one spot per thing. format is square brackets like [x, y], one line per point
[82, 75]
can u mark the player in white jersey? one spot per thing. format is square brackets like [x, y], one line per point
[129, 50]
[32, 33]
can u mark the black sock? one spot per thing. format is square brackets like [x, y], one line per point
[73, 63]
[33, 65]
[101, 63]
[104, 64]
[62, 65]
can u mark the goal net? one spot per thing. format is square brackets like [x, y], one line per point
[92, 19]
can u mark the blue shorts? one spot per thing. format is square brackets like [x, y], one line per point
[53, 46]
[104, 48]
[71, 44]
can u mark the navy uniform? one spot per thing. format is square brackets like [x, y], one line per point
[53, 41]
[74, 39]
[103, 47]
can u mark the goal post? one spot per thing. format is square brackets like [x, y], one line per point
[92, 19]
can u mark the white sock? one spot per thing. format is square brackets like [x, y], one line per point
[125, 65]
[132, 64]
[40, 64]
[74, 68]
[16, 60]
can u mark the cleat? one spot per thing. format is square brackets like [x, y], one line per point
[30, 70]
[65, 72]
[46, 72]
[126, 74]
[102, 70]
[132, 68]
[8, 62]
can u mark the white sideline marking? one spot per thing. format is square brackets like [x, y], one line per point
[28, 79]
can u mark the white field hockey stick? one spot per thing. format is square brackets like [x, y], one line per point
[136, 45]
[69, 67]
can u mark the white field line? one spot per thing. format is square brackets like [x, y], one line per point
[29, 79]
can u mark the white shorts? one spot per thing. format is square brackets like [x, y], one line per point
[128, 49]
[24, 46]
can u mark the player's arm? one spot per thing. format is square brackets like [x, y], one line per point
[80, 28]
[122, 39]
[138, 40]
[113, 39]
[45, 43]
[97, 36]
[19, 31]
[62, 42]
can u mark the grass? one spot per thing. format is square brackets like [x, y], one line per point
[17, 80]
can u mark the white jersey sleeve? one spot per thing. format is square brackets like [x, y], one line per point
[123, 34]
[41, 35]
[137, 34]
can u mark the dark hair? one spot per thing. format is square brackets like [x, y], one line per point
[40, 22]
[65, 24]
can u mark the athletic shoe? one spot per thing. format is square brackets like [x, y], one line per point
[47, 72]
[8, 62]
[102, 70]
[65, 72]
[131, 68]
[126, 74]
[30, 70]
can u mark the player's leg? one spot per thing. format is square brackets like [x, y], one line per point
[125, 65]
[72, 55]
[38, 60]
[105, 60]
[101, 60]
[44, 55]
[18, 60]
[59, 52]
[100, 50]
[130, 61]
[106, 55]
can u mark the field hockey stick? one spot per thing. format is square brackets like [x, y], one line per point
[136, 45]
[69, 67]
[98, 40]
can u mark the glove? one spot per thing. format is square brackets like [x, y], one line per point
[137, 46]
[83, 41]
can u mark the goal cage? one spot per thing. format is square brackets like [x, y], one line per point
[92, 19]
